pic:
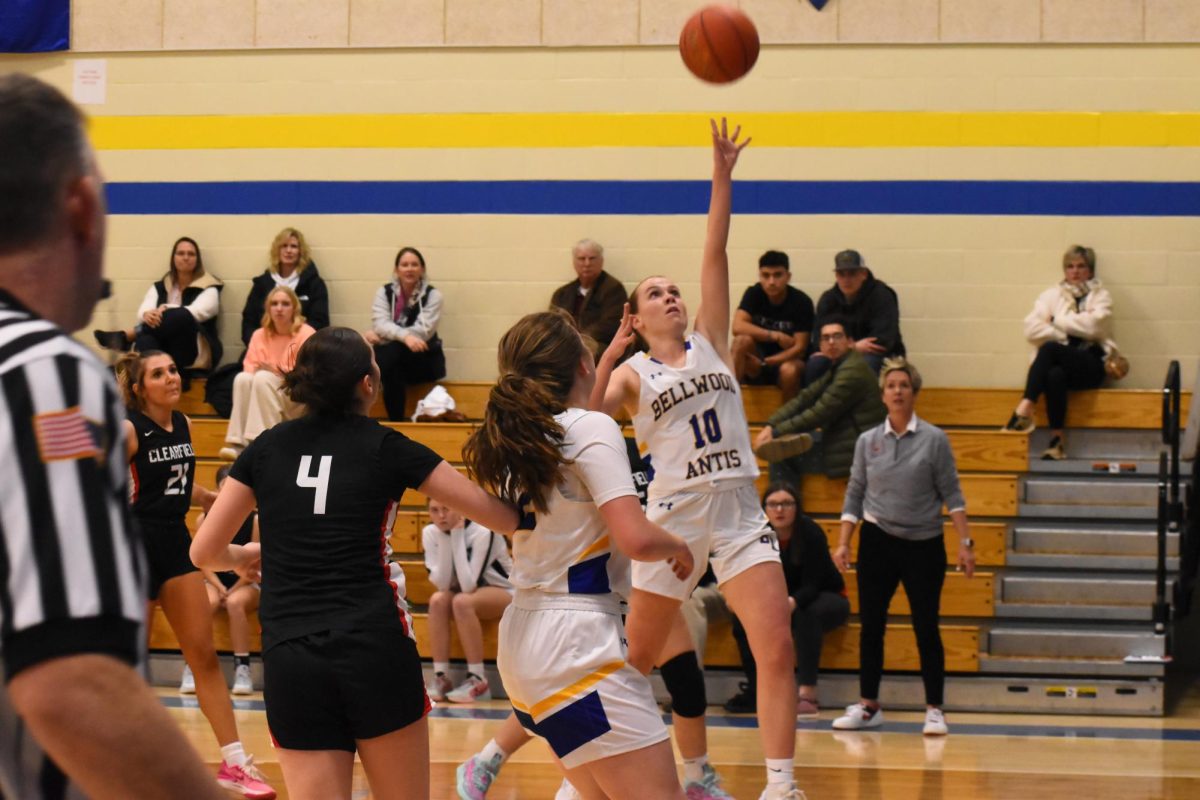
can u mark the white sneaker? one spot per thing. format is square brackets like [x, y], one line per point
[439, 687]
[470, 690]
[858, 717]
[791, 793]
[935, 723]
[241, 680]
[188, 684]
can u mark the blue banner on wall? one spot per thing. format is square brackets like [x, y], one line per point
[34, 26]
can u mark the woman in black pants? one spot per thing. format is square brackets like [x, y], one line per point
[903, 473]
[1069, 327]
[816, 593]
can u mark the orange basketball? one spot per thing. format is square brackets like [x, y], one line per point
[719, 44]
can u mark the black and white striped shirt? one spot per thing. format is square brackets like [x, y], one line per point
[72, 568]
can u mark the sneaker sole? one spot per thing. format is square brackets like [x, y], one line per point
[234, 787]
[863, 727]
[785, 447]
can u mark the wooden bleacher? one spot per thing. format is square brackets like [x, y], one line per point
[989, 462]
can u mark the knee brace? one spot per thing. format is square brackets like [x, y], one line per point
[685, 683]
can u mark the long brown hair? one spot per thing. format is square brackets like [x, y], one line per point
[517, 452]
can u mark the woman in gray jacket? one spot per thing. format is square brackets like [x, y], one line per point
[404, 320]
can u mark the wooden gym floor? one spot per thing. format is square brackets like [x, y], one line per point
[986, 755]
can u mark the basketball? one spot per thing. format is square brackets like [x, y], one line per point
[719, 44]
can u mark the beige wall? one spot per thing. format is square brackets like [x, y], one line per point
[103, 25]
[964, 282]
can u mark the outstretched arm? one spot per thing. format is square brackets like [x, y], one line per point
[612, 391]
[712, 318]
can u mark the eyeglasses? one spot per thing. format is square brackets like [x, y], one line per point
[781, 504]
[832, 337]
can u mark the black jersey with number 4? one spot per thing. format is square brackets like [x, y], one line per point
[327, 491]
[163, 468]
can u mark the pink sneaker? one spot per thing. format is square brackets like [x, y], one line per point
[807, 708]
[470, 691]
[246, 781]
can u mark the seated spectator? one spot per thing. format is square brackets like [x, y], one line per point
[258, 400]
[291, 265]
[1069, 328]
[871, 309]
[178, 314]
[816, 594]
[238, 597]
[771, 328]
[835, 409]
[404, 320]
[470, 566]
[595, 299]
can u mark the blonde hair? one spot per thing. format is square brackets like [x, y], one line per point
[297, 314]
[517, 451]
[1079, 251]
[283, 236]
[900, 364]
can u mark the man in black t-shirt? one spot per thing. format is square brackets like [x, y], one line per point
[771, 328]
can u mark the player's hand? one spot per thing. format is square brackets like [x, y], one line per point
[621, 339]
[726, 148]
[870, 346]
[764, 436]
[841, 557]
[682, 563]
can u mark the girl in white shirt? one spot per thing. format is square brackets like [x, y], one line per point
[470, 566]
[562, 644]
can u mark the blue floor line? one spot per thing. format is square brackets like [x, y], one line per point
[748, 722]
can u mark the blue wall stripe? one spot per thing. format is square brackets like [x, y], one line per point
[1000, 198]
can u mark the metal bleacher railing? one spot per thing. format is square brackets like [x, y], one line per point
[1170, 507]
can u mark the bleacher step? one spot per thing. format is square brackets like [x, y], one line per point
[1076, 590]
[1055, 642]
[1106, 492]
[1080, 546]
[1068, 667]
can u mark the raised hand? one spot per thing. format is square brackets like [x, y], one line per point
[726, 148]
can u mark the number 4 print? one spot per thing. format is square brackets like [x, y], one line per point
[320, 482]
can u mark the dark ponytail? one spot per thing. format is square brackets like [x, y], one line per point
[517, 451]
[328, 368]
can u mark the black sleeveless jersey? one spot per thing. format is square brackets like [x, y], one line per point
[327, 491]
[163, 469]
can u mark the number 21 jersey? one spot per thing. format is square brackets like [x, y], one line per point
[161, 472]
[690, 423]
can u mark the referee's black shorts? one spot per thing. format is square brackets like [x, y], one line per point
[326, 690]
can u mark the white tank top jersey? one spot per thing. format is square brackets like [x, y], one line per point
[568, 550]
[690, 423]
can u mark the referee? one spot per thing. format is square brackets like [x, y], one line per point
[72, 571]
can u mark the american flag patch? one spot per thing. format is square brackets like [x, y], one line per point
[66, 435]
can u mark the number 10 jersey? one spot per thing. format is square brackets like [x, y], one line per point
[690, 423]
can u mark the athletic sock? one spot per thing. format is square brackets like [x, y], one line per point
[693, 768]
[477, 671]
[241, 659]
[493, 753]
[781, 770]
[233, 754]
[441, 667]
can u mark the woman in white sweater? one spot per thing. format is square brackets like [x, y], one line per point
[470, 566]
[1070, 329]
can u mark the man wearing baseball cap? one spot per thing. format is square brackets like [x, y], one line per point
[870, 307]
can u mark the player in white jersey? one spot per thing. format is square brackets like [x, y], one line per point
[691, 426]
[562, 644]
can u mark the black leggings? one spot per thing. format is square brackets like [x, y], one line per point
[884, 562]
[175, 336]
[1059, 368]
[399, 367]
[827, 611]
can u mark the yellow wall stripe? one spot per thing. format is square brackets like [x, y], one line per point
[577, 688]
[560, 130]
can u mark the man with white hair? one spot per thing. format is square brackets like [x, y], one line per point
[594, 298]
